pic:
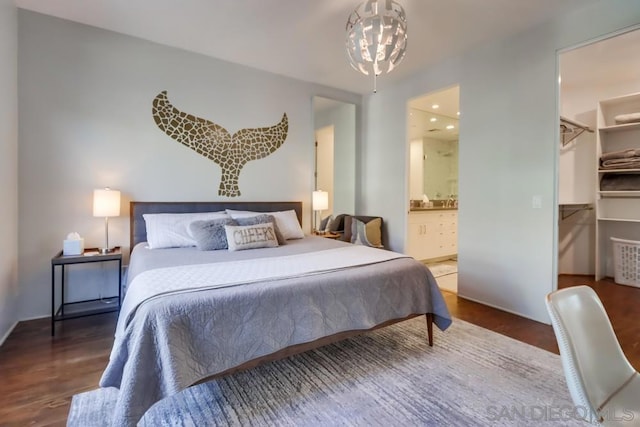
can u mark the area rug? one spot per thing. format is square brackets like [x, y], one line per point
[389, 377]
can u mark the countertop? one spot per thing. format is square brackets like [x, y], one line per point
[438, 208]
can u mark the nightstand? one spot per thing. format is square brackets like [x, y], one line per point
[71, 310]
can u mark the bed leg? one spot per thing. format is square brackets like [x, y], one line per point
[430, 328]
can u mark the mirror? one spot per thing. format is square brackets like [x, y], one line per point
[335, 158]
[433, 136]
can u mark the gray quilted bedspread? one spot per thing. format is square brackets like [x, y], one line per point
[177, 340]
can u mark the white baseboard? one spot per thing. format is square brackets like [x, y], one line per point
[503, 309]
[35, 318]
[3, 339]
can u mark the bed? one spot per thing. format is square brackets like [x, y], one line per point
[215, 312]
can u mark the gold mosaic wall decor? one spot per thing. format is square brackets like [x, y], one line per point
[214, 142]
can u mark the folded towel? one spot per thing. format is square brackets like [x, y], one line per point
[630, 163]
[624, 154]
[627, 118]
[620, 182]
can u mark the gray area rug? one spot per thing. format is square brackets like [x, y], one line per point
[389, 377]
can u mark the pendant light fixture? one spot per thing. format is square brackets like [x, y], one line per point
[376, 37]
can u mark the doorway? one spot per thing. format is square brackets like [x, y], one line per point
[433, 130]
[599, 83]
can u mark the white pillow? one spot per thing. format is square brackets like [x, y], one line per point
[287, 221]
[172, 230]
[241, 237]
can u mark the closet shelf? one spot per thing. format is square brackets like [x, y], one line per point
[618, 170]
[619, 128]
[570, 130]
[619, 193]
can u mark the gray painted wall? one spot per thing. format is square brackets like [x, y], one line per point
[8, 166]
[508, 153]
[85, 123]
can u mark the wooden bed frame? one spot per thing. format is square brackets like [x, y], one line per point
[138, 234]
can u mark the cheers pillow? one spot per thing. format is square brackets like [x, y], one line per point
[241, 237]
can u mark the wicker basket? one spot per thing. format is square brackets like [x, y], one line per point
[626, 260]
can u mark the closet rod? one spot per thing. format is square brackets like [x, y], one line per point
[570, 130]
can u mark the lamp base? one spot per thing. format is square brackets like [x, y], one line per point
[105, 251]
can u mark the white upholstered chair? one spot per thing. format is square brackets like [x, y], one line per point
[604, 386]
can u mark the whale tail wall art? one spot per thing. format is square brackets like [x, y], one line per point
[230, 152]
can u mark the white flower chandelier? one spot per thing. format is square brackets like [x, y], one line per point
[376, 37]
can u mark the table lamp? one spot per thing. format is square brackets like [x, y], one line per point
[319, 202]
[106, 203]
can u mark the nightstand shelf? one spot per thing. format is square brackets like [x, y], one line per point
[75, 309]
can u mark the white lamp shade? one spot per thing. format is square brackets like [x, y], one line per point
[320, 200]
[106, 202]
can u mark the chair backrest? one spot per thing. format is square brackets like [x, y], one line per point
[594, 365]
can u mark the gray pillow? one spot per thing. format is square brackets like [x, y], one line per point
[209, 234]
[325, 223]
[262, 219]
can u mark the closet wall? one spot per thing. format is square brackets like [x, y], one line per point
[612, 72]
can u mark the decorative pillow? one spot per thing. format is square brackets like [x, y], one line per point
[241, 237]
[325, 223]
[210, 234]
[337, 224]
[287, 221]
[172, 230]
[368, 234]
[262, 219]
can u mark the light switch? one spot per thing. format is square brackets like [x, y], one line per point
[536, 202]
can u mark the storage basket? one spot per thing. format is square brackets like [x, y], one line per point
[626, 260]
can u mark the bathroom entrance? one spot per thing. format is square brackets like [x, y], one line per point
[433, 121]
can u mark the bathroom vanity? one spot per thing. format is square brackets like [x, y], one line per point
[432, 233]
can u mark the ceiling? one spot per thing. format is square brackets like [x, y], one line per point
[304, 39]
[435, 115]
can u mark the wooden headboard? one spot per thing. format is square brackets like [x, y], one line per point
[138, 230]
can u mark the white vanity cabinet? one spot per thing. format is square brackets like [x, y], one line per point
[432, 234]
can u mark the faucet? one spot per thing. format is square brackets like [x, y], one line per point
[451, 202]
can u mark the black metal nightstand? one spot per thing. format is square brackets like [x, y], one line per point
[70, 310]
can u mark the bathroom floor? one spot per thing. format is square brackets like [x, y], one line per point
[446, 274]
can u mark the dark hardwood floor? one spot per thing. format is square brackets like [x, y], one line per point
[39, 374]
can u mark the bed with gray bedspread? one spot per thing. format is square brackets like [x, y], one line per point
[179, 339]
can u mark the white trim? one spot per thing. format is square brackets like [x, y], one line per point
[504, 309]
[35, 318]
[6, 335]
[599, 38]
[3, 339]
